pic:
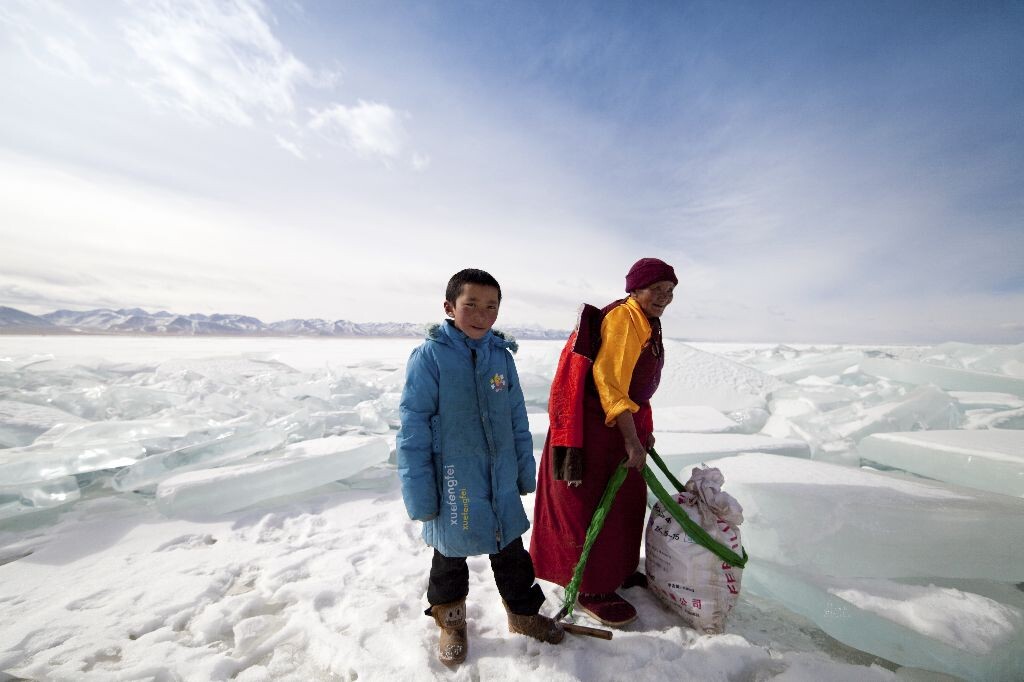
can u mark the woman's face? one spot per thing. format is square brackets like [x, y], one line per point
[654, 299]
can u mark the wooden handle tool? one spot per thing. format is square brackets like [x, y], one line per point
[584, 630]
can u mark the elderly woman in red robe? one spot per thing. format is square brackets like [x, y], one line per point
[601, 415]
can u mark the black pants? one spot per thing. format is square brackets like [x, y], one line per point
[513, 574]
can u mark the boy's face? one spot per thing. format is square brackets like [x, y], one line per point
[475, 309]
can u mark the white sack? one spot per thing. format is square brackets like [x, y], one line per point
[689, 578]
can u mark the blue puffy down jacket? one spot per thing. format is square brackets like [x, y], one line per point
[465, 454]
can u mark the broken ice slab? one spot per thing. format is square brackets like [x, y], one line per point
[305, 425]
[17, 362]
[925, 407]
[301, 466]
[677, 418]
[824, 365]
[370, 418]
[750, 419]
[536, 387]
[230, 448]
[691, 419]
[982, 399]
[844, 521]
[21, 423]
[337, 421]
[299, 386]
[116, 402]
[29, 465]
[997, 359]
[153, 434]
[991, 459]
[908, 372]
[539, 423]
[986, 410]
[925, 626]
[19, 500]
[1006, 419]
[681, 450]
[348, 390]
[812, 394]
[227, 370]
[387, 407]
[150, 433]
[694, 377]
[301, 425]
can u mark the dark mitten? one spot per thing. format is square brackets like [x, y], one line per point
[567, 464]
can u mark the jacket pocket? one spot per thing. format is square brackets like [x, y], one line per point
[435, 434]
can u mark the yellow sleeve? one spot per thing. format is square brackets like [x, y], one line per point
[624, 331]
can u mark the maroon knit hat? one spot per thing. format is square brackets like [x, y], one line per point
[648, 271]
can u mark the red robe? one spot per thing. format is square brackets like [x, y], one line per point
[561, 513]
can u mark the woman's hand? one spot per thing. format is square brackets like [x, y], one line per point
[650, 441]
[636, 455]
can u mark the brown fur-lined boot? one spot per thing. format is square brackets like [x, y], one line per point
[537, 626]
[453, 645]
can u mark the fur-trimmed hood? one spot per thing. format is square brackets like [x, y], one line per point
[447, 332]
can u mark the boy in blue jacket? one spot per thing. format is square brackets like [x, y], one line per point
[465, 455]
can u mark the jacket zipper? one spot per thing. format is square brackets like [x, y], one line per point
[483, 425]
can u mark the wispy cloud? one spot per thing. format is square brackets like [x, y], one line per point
[420, 162]
[51, 36]
[220, 61]
[290, 147]
[369, 128]
[65, 53]
[216, 60]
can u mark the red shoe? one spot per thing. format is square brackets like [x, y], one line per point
[609, 609]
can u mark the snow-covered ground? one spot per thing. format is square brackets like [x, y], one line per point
[198, 509]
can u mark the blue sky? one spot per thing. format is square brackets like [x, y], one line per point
[822, 172]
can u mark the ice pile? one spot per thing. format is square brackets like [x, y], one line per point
[836, 397]
[860, 552]
[136, 425]
[943, 377]
[925, 573]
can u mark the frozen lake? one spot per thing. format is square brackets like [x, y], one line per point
[213, 508]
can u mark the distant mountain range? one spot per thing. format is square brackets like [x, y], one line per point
[163, 323]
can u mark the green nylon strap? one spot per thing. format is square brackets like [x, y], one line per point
[692, 528]
[698, 534]
[664, 469]
[572, 590]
